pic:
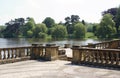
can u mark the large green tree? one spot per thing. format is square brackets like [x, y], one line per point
[70, 22]
[115, 12]
[49, 22]
[12, 29]
[59, 31]
[79, 31]
[117, 19]
[106, 28]
[40, 30]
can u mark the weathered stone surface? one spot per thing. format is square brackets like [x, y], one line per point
[53, 69]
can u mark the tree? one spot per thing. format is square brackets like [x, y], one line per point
[12, 29]
[75, 18]
[117, 19]
[59, 31]
[79, 30]
[49, 22]
[29, 34]
[107, 27]
[29, 26]
[70, 22]
[115, 12]
[40, 28]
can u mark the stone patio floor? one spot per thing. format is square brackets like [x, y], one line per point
[53, 69]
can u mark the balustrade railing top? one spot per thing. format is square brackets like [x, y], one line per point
[114, 44]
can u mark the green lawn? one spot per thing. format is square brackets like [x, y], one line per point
[90, 35]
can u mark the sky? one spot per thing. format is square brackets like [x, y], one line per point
[88, 10]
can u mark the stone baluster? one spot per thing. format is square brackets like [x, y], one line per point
[98, 57]
[107, 58]
[8, 53]
[22, 51]
[102, 57]
[84, 55]
[41, 51]
[0, 55]
[117, 58]
[18, 52]
[88, 53]
[112, 57]
[93, 56]
[4, 54]
[27, 51]
[12, 53]
[15, 53]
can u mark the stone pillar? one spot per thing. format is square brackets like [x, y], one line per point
[51, 52]
[76, 56]
[36, 51]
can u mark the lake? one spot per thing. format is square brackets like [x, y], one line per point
[18, 42]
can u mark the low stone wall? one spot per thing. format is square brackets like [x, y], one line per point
[99, 57]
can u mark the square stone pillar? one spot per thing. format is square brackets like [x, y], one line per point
[51, 53]
[36, 51]
[76, 55]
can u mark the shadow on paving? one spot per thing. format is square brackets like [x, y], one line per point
[95, 66]
[86, 65]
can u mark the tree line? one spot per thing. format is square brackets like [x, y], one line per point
[109, 27]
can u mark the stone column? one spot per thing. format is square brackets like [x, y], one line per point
[36, 51]
[51, 52]
[76, 56]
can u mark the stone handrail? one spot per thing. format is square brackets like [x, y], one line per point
[115, 44]
[36, 51]
[48, 52]
[14, 54]
[104, 57]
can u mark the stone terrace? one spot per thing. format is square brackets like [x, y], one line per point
[53, 69]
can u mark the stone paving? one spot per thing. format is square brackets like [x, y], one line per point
[53, 69]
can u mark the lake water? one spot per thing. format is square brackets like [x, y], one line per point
[18, 42]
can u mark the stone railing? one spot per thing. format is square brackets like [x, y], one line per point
[115, 44]
[14, 54]
[36, 51]
[48, 52]
[92, 56]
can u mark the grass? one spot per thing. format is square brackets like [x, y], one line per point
[90, 35]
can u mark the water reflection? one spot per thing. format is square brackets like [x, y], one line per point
[18, 42]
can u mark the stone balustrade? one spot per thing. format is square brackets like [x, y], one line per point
[36, 51]
[14, 54]
[48, 52]
[115, 44]
[104, 57]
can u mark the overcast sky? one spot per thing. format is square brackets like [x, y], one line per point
[89, 10]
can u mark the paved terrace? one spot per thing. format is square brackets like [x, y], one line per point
[54, 69]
